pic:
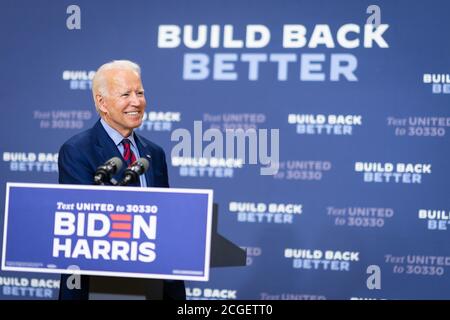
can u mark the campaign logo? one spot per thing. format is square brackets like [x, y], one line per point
[194, 293]
[435, 219]
[104, 231]
[233, 121]
[248, 57]
[360, 217]
[31, 161]
[28, 288]
[270, 213]
[303, 170]
[417, 265]
[290, 296]
[324, 260]
[419, 126]
[408, 173]
[207, 167]
[440, 82]
[62, 119]
[159, 121]
[79, 79]
[321, 124]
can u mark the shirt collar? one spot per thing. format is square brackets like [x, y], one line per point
[115, 135]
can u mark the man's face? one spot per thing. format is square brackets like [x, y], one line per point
[123, 107]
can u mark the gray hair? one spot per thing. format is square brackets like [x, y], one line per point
[99, 82]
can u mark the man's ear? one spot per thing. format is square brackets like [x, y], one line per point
[101, 103]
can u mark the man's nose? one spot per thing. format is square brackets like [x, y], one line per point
[134, 99]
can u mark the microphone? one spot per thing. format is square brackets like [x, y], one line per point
[105, 171]
[131, 174]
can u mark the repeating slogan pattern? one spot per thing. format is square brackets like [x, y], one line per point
[355, 205]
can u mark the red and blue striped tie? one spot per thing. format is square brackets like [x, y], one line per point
[128, 155]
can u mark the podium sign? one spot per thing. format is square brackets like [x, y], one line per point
[155, 233]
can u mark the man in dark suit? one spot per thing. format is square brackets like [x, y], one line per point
[120, 102]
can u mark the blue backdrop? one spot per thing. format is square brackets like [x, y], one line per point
[359, 207]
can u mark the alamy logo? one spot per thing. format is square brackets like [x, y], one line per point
[73, 21]
[232, 146]
[440, 82]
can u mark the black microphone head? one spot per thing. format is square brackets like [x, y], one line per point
[105, 171]
[115, 162]
[134, 171]
[140, 166]
[145, 164]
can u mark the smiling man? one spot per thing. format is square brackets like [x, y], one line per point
[119, 96]
[120, 102]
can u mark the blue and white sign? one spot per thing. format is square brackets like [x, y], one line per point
[153, 233]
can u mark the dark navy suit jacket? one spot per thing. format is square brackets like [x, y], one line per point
[78, 160]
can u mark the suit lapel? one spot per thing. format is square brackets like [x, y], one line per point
[106, 147]
[145, 152]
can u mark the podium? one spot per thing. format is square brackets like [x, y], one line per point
[224, 253]
[129, 241]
